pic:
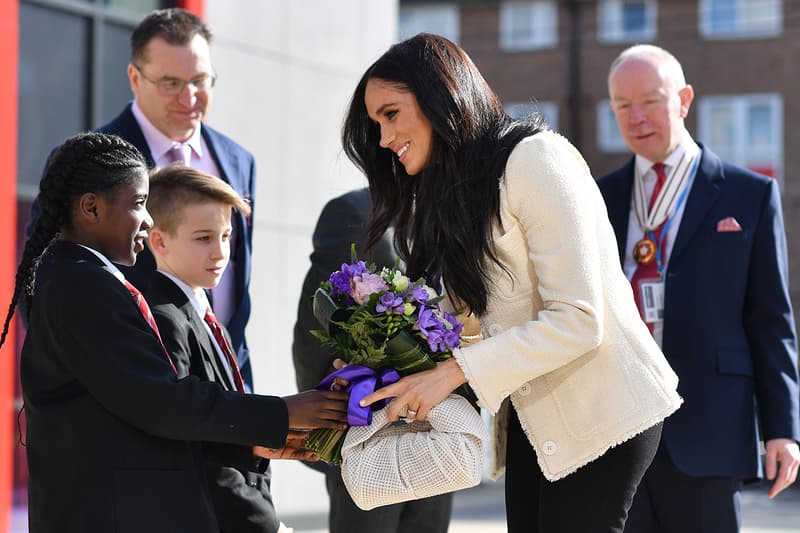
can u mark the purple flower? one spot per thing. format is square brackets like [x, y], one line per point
[356, 269]
[426, 319]
[441, 330]
[436, 340]
[390, 303]
[454, 323]
[365, 285]
[451, 339]
[341, 281]
[420, 294]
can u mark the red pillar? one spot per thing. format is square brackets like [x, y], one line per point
[9, 58]
[198, 7]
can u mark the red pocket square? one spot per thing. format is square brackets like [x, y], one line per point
[728, 224]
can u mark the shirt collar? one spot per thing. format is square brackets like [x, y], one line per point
[159, 143]
[111, 266]
[199, 301]
[687, 145]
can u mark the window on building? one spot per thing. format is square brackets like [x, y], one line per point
[442, 19]
[609, 138]
[548, 109]
[740, 18]
[79, 88]
[746, 130]
[626, 20]
[528, 25]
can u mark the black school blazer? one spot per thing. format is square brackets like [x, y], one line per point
[111, 429]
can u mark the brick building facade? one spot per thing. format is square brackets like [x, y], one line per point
[739, 55]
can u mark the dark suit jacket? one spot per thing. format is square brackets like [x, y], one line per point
[343, 221]
[240, 495]
[237, 168]
[110, 427]
[728, 325]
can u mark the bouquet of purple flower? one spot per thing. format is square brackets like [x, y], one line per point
[385, 326]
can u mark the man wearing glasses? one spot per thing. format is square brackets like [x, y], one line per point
[172, 80]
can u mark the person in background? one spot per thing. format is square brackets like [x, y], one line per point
[343, 222]
[702, 242]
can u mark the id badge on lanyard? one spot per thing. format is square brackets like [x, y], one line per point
[651, 296]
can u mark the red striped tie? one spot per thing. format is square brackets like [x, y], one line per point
[219, 336]
[141, 303]
[650, 270]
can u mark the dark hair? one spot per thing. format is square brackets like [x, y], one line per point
[174, 25]
[87, 162]
[176, 187]
[443, 216]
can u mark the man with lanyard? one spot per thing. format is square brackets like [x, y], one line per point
[703, 244]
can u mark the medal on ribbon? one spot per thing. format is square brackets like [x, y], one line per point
[645, 251]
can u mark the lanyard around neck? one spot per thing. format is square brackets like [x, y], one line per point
[670, 218]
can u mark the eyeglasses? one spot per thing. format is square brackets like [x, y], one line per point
[174, 86]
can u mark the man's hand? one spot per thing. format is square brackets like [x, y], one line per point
[787, 453]
[317, 409]
[295, 440]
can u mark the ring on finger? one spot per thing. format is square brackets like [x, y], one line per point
[412, 413]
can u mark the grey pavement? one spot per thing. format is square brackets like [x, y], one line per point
[481, 510]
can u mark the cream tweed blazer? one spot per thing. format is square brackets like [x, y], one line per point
[563, 339]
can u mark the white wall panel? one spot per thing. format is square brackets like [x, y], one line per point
[287, 69]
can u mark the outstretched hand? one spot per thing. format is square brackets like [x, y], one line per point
[416, 394]
[295, 440]
[317, 409]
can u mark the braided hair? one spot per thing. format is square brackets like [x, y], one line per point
[87, 162]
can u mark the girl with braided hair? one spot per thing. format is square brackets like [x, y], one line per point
[113, 435]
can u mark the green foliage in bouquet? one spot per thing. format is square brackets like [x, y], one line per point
[380, 320]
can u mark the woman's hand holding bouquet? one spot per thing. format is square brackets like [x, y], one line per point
[384, 326]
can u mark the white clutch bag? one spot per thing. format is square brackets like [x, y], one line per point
[386, 463]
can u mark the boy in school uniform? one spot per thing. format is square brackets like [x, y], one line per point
[190, 241]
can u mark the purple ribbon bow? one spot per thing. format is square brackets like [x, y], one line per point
[363, 381]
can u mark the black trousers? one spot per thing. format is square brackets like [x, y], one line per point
[594, 499]
[668, 500]
[428, 515]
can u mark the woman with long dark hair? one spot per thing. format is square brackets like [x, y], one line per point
[506, 214]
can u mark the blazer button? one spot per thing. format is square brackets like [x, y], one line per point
[495, 329]
[525, 389]
[549, 447]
